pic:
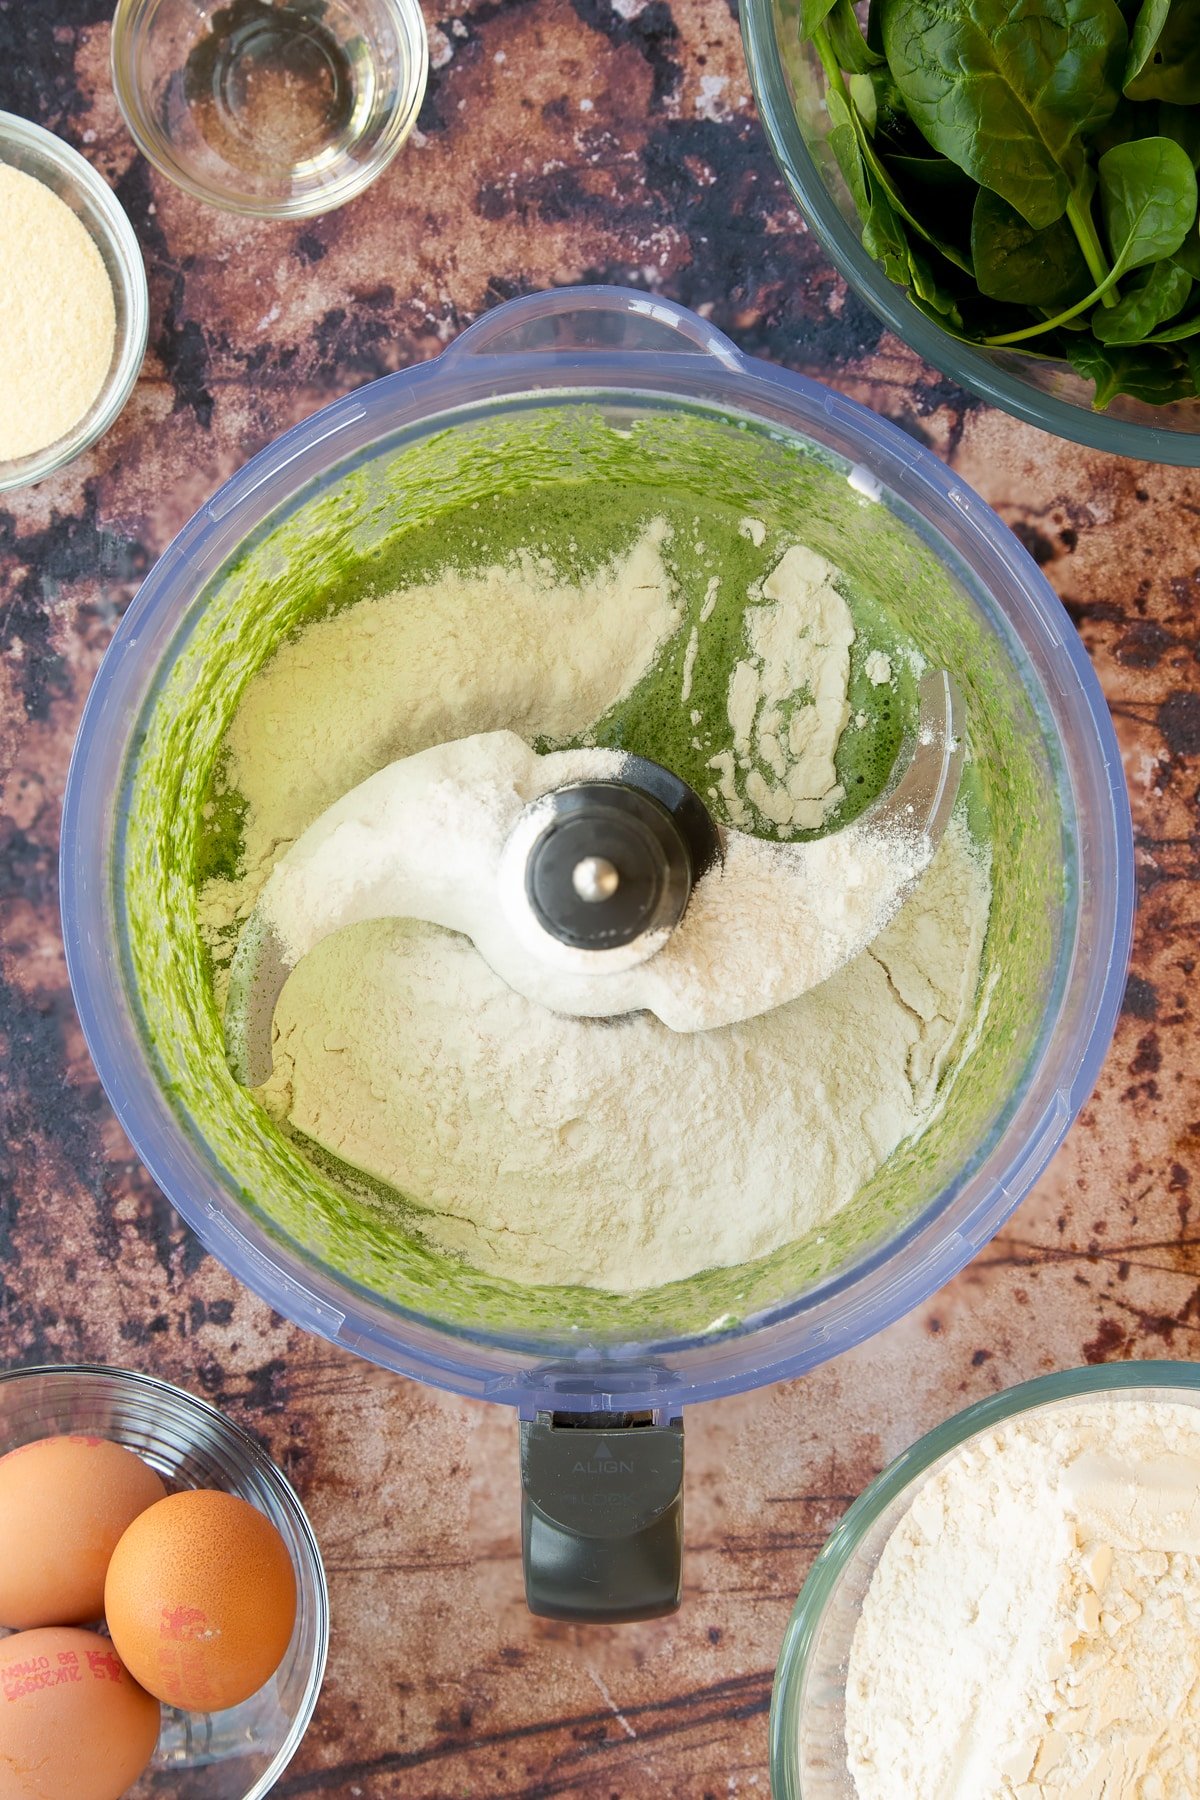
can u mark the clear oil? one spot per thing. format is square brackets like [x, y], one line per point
[281, 89]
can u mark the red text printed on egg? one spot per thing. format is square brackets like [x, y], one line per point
[105, 1666]
[182, 1667]
[37, 1673]
[184, 1625]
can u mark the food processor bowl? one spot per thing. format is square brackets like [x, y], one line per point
[539, 391]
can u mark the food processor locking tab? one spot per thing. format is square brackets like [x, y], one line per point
[602, 1515]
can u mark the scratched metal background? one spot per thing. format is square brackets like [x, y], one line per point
[561, 141]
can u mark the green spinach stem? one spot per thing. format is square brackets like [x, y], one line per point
[829, 62]
[1080, 215]
[1062, 318]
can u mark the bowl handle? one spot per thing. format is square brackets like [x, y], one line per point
[618, 321]
[602, 1515]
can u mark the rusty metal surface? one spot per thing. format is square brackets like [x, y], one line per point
[562, 140]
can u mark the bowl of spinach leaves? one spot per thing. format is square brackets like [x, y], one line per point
[1013, 189]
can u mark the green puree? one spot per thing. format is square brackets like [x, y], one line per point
[564, 478]
[654, 721]
[581, 530]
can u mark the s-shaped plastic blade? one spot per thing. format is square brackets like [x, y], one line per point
[413, 872]
[923, 798]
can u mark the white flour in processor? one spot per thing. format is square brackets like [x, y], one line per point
[1032, 1629]
[550, 1149]
[789, 699]
[430, 838]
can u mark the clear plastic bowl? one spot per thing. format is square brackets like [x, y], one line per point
[808, 1745]
[622, 355]
[241, 1753]
[371, 55]
[39, 153]
[789, 88]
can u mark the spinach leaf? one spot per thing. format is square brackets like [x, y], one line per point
[1148, 199]
[894, 126]
[1155, 376]
[1179, 332]
[1095, 364]
[1188, 255]
[843, 141]
[1147, 29]
[1183, 124]
[864, 100]
[891, 122]
[1008, 89]
[884, 239]
[927, 285]
[1013, 262]
[1164, 53]
[813, 14]
[847, 41]
[1151, 298]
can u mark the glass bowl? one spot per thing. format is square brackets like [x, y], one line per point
[808, 1747]
[48, 159]
[789, 88]
[278, 110]
[241, 1753]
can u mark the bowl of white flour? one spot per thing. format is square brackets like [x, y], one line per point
[1012, 1608]
[591, 523]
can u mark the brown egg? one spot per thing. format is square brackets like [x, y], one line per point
[64, 1504]
[74, 1725]
[201, 1600]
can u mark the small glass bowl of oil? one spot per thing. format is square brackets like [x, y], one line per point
[276, 108]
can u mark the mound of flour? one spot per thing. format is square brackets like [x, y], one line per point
[1032, 1630]
[618, 1153]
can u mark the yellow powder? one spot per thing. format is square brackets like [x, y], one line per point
[58, 318]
